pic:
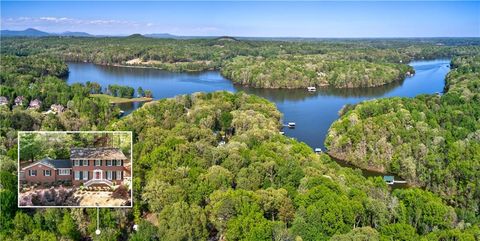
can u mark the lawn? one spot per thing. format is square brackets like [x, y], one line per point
[119, 100]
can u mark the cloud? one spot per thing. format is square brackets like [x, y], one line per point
[103, 26]
[46, 20]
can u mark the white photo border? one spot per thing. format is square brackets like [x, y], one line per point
[72, 132]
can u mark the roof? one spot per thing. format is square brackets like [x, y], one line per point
[388, 178]
[102, 153]
[54, 164]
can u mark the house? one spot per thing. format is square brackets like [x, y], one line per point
[57, 108]
[103, 165]
[35, 104]
[87, 166]
[48, 170]
[3, 100]
[19, 100]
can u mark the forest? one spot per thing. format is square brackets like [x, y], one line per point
[213, 166]
[342, 63]
[312, 70]
[432, 141]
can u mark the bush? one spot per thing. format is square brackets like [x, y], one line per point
[121, 192]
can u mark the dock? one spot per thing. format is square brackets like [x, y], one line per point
[390, 180]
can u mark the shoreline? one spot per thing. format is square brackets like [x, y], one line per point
[120, 100]
[237, 83]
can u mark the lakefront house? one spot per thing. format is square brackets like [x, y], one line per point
[87, 166]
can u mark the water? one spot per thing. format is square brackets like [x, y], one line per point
[313, 112]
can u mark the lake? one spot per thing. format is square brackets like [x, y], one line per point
[313, 112]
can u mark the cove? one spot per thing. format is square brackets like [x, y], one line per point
[313, 112]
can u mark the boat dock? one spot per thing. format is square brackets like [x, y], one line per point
[390, 180]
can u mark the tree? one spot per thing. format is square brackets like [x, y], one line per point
[68, 228]
[148, 94]
[40, 235]
[249, 224]
[146, 232]
[180, 221]
[140, 92]
[23, 225]
[30, 147]
[358, 234]
[399, 231]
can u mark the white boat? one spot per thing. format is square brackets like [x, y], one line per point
[312, 88]
[318, 150]
[291, 124]
[282, 133]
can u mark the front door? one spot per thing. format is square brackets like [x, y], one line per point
[97, 174]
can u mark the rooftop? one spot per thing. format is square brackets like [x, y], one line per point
[388, 178]
[59, 163]
[100, 153]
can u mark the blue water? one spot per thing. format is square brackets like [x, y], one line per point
[312, 112]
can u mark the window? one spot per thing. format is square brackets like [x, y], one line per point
[32, 172]
[85, 175]
[119, 175]
[47, 173]
[63, 172]
[98, 163]
[109, 163]
[109, 175]
[76, 163]
[119, 162]
[85, 162]
[77, 175]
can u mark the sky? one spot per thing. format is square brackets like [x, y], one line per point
[249, 19]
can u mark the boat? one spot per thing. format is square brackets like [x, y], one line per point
[291, 124]
[312, 88]
[318, 150]
[281, 133]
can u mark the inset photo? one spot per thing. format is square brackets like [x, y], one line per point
[75, 169]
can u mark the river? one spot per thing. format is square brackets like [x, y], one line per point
[313, 112]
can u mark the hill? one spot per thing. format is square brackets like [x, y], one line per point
[29, 32]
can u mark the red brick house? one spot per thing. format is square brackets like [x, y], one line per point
[87, 166]
[48, 170]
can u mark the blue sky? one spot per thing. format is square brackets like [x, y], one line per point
[267, 19]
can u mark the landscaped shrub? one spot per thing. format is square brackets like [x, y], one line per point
[121, 192]
[48, 197]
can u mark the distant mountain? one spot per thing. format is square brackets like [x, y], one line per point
[161, 35]
[227, 38]
[29, 32]
[75, 34]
